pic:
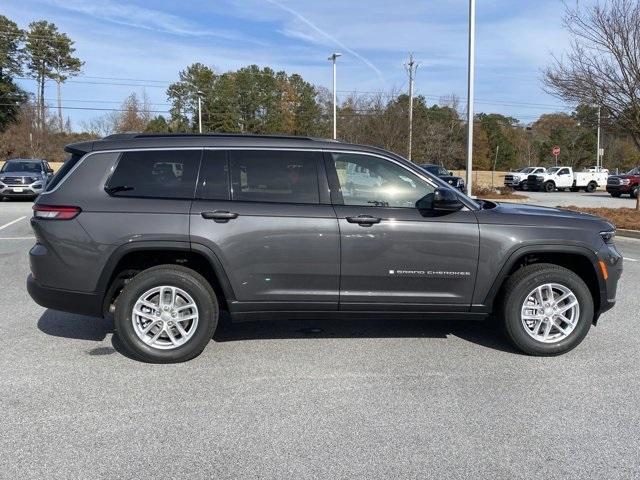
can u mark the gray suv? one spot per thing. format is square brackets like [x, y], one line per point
[24, 178]
[167, 231]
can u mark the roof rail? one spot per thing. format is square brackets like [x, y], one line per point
[131, 135]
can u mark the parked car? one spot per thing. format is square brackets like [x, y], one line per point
[445, 175]
[518, 179]
[564, 178]
[264, 227]
[24, 178]
[628, 183]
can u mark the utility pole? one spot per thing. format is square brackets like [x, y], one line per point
[333, 58]
[470, 91]
[412, 67]
[598, 156]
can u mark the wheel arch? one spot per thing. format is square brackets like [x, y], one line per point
[580, 260]
[129, 259]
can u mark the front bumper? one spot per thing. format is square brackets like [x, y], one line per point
[619, 188]
[21, 191]
[65, 300]
[613, 262]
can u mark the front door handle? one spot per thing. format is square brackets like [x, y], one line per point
[364, 220]
[219, 215]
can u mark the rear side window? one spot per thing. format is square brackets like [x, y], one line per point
[213, 181]
[156, 174]
[274, 176]
[62, 171]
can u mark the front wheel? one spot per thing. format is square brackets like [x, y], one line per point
[166, 314]
[547, 309]
[616, 195]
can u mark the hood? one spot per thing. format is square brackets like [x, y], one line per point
[624, 176]
[21, 174]
[523, 214]
[450, 179]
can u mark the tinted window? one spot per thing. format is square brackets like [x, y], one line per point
[213, 181]
[564, 171]
[274, 176]
[62, 171]
[376, 182]
[160, 174]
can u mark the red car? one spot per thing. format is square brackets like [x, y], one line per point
[628, 183]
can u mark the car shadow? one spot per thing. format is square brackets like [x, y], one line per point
[485, 334]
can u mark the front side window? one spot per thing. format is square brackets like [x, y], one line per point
[156, 174]
[376, 182]
[274, 176]
[564, 171]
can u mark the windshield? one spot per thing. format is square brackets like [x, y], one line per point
[553, 170]
[527, 170]
[13, 166]
[435, 170]
[635, 171]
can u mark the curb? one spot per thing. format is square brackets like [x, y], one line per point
[621, 232]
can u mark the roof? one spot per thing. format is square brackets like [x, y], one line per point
[123, 141]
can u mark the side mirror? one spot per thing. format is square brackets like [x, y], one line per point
[446, 200]
[450, 173]
[442, 200]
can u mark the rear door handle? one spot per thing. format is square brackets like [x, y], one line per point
[364, 220]
[219, 215]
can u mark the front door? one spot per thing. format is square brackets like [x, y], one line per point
[276, 237]
[393, 257]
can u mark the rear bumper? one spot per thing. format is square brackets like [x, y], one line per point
[65, 300]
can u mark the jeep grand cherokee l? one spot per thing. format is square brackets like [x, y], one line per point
[291, 227]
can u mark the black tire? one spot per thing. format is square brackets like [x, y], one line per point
[192, 283]
[520, 285]
[635, 192]
[523, 186]
[616, 195]
[591, 187]
[549, 186]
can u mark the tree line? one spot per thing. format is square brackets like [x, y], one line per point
[262, 100]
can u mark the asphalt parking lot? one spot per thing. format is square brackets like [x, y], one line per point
[313, 399]
[599, 198]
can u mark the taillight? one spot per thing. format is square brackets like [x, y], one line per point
[55, 212]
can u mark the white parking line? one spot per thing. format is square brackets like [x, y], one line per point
[18, 238]
[631, 259]
[11, 223]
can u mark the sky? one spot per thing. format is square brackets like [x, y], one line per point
[141, 46]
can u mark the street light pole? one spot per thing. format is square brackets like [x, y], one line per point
[412, 66]
[470, 91]
[333, 58]
[199, 110]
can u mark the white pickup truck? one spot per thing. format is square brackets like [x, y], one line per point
[563, 178]
[518, 179]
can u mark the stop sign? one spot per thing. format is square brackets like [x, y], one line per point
[556, 151]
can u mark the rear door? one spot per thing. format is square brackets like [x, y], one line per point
[392, 256]
[266, 214]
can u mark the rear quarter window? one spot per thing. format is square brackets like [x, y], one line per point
[155, 174]
[62, 171]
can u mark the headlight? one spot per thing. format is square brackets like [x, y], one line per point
[608, 236]
[2, 178]
[625, 181]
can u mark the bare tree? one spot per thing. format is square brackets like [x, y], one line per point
[602, 66]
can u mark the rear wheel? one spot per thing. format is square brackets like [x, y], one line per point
[549, 187]
[591, 187]
[166, 314]
[547, 309]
